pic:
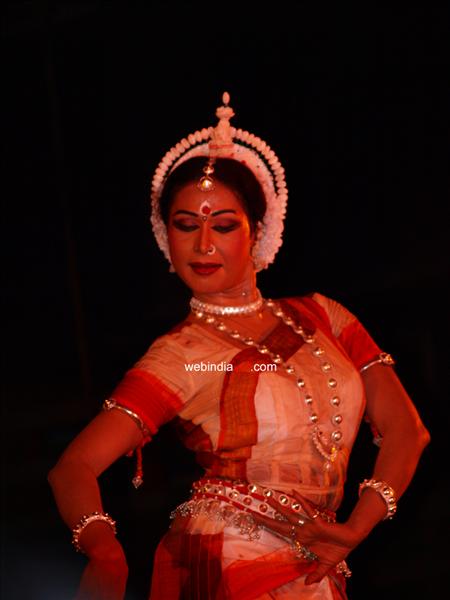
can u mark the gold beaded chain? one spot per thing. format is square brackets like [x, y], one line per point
[329, 454]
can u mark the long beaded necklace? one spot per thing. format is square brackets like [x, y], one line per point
[327, 449]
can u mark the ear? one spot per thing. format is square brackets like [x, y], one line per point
[255, 230]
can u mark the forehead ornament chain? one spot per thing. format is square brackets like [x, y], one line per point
[206, 183]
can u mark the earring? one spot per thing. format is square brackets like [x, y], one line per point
[257, 263]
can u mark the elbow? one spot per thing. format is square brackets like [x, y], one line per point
[53, 475]
[60, 470]
[412, 436]
[421, 437]
[69, 468]
[424, 437]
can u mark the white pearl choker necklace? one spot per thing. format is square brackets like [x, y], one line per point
[217, 309]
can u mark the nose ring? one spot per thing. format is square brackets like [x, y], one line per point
[211, 250]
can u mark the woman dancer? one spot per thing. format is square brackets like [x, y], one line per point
[273, 428]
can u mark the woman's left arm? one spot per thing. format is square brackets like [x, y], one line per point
[392, 413]
[404, 437]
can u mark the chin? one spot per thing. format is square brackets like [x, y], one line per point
[219, 282]
[207, 285]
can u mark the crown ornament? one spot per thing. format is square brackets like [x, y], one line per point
[225, 141]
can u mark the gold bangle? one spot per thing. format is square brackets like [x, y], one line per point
[383, 358]
[84, 522]
[385, 491]
[110, 403]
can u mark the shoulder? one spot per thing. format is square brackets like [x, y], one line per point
[341, 324]
[187, 342]
[163, 365]
[170, 345]
[326, 310]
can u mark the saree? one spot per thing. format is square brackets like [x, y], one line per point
[250, 429]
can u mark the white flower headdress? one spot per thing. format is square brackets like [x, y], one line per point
[225, 141]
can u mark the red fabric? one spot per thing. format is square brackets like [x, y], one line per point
[318, 313]
[249, 579]
[193, 435]
[188, 566]
[148, 397]
[354, 339]
[283, 340]
[358, 344]
[238, 424]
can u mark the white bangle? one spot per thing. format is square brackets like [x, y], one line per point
[84, 522]
[385, 491]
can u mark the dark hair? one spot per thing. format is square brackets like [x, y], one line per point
[231, 173]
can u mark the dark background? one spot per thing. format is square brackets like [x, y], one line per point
[355, 104]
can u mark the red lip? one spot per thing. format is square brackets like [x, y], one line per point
[204, 268]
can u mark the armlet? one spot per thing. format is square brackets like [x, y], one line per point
[110, 403]
[383, 358]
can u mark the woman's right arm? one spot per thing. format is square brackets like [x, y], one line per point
[74, 483]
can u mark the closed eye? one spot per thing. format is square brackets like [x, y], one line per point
[182, 226]
[226, 228]
[188, 226]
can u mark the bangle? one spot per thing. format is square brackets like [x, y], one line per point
[385, 491]
[84, 522]
[110, 403]
[383, 358]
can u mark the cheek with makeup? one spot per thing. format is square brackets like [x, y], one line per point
[210, 239]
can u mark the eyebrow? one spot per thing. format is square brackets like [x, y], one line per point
[214, 214]
[185, 212]
[220, 212]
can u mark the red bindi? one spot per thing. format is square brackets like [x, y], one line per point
[205, 209]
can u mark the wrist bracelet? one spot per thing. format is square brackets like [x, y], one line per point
[84, 522]
[385, 491]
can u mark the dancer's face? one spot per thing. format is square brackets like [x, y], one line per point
[210, 239]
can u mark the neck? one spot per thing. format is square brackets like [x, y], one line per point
[243, 293]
